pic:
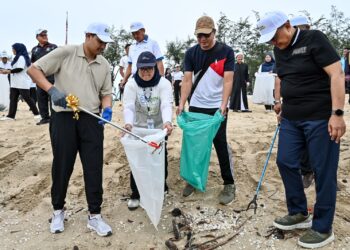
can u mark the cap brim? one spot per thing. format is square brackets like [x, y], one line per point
[43, 31]
[143, 65]
[106, 39]
[203, 31]
[267, 37]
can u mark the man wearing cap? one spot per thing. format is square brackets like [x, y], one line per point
[83, 71]
[5, 64]
[177, 77]
[142, 43]
[212, 64]
[43, 48]
[307, 174]
[312, 87]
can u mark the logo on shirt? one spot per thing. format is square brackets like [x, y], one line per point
[299, 51]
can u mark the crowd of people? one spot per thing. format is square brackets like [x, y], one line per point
[308, 99]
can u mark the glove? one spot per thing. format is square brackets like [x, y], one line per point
[106, 114]
[57, 97]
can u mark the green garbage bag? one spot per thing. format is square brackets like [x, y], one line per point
[199, 131]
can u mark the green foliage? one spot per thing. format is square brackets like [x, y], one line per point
[115, 50]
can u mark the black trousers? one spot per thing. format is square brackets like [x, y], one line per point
[134, 191]
[305, 166]
[43, 103]
[177, 92]
[25, 93]
[32, 92]
[222, 149]
[68, 137]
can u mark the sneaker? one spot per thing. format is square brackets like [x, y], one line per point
[188, 190]
[57, 222]
[290, 222]
[227, 194]
[43, 121]
[133, 204]
[97, 224]
[6, 118]
[313, 239]
[37, 117]
[308, 179]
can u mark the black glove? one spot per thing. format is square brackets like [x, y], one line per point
[57, 97]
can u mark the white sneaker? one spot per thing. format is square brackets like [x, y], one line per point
[133, 204]
[57, 222]
[97, 224]
[37, 117]
[6, 118]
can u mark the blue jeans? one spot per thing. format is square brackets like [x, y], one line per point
[295, 137]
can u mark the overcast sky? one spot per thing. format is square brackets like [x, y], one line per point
[164, 20]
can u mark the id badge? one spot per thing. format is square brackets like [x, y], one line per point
[150, 123]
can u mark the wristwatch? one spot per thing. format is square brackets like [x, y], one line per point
[276, 101]
[338, 112]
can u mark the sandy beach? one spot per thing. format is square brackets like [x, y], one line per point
[25, 180]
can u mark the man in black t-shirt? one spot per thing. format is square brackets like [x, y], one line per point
[43, 48]
[312, 87]
[212, 64]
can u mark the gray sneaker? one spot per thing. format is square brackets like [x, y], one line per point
[313, 239]
[57, 222]
[290, 222]
[188, 190]
[97, 224]
[308, 179]
[227, 194]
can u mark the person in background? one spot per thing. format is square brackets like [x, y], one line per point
[123, 65]
[212, 63]
[177, 77]
[142, 43]
[267, 66]
[40, 50]
[147, 104]
[239, 100]
[312, 88]
[83, 71]
[168, 75]
[5, 63]
[20, 82]
[345, 63]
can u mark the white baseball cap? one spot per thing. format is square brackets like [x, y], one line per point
[135, 26]
[299, 20]
[4, 54]
[101, 30]
[39, 31]
[269, 24]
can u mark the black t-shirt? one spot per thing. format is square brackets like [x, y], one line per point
[40, 51]
[305, 86]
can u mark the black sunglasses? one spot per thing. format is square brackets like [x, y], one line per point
[200, 35]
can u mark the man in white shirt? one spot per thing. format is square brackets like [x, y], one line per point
[123, 65]
[5, 64]
[143, 43]
[177, 79]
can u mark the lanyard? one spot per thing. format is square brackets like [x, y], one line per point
[148, 99]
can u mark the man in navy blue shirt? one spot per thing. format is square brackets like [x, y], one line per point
[312, 88]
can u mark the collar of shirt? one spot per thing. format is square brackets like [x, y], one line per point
[145, 40]
[296, 36]
[80, 53]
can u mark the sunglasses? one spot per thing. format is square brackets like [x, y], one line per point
[200, 35]
[43, 35]
[147, 69]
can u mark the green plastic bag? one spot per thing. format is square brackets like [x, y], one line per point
[199, 131]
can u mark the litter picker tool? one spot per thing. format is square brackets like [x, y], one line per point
[73, 103]
[253, 204]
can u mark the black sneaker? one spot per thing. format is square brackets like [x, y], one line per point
[290, 222]
[43, 121]
[313, 239]
[188, 190]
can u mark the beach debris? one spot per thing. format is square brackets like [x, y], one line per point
[176, 212]
[170, 245]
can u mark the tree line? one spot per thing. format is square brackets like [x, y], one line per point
[241, 35]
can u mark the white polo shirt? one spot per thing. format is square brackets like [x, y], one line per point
[5, 65]
[137, 48]
[177, 75]
[124, 63]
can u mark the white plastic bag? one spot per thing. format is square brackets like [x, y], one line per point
[147, 166]
[4, 92]
[263, 88]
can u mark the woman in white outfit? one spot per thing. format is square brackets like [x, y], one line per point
[147, 104]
